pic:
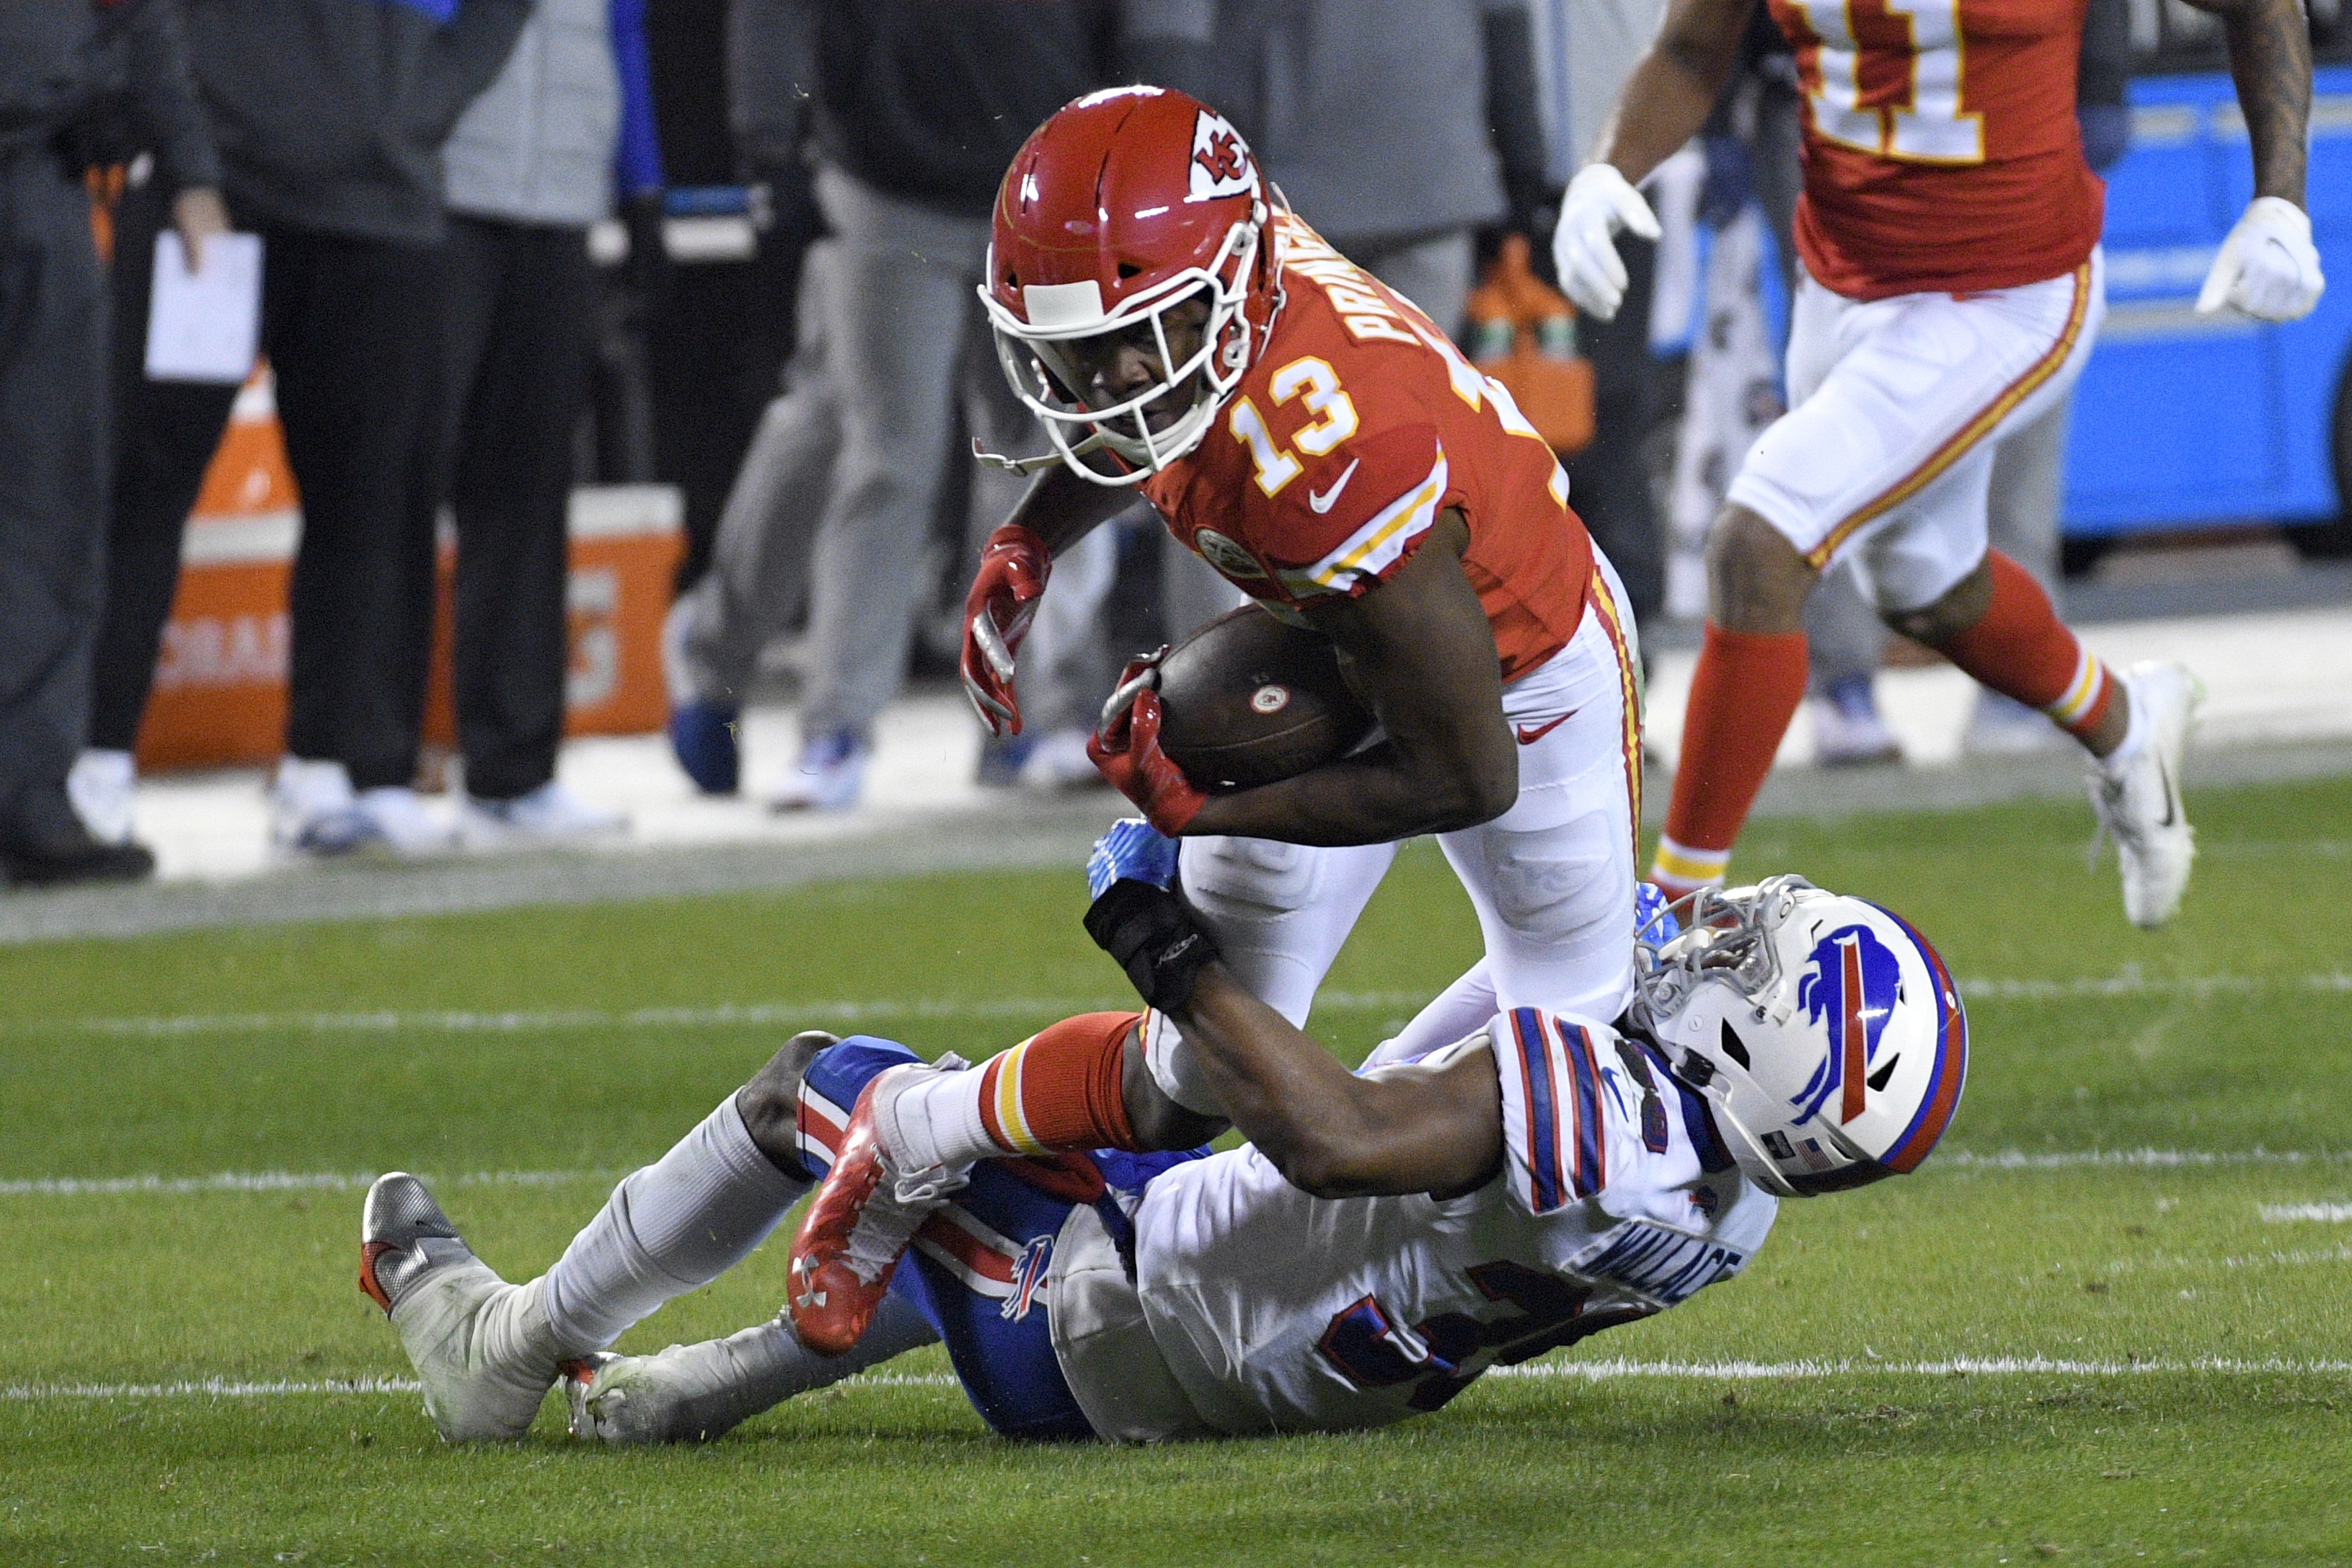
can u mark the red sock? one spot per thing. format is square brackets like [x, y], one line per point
[2020, 648]
[1744, 693]
[1060, 1088]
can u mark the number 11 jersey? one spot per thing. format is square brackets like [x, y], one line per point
[1276, 1311]
[1941, 151]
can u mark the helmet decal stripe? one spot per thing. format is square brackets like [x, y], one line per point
[1584, 1072]
[1543, 1109]
[1856, 1032]
[1952, 1069]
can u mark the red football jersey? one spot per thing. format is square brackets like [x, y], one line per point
[1941, 151]
[1357, 425]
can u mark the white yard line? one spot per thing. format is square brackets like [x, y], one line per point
[2288, 1213]
[1982, 1366]
[772, 1014]
[1609, 1371]
[270, 1181]
[724, 1015]
[2161, 1159]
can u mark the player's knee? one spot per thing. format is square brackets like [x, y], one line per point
[770, 1104]
[1961, 607]
[1757, 582]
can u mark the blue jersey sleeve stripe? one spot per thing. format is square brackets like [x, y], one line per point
[1543, 1110]
[1584, 1072]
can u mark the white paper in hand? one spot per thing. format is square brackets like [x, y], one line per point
[204, 326]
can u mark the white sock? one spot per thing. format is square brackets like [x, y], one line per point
[2136, 729]
[935, 1121]
[668, 1229]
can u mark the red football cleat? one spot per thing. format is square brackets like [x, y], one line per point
[857, 1230]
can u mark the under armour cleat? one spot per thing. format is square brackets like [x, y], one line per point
[481, 1347]
[2139, 804]
[859, 1224]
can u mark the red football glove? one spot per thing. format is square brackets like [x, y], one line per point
[1127, 750]
[996, 616]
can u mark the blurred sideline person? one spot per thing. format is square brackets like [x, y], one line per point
[330, 116]
[537, 159]
[2022, 502]
[914, 109]
[1954, 285]
[63, 64]
[1383, 1241]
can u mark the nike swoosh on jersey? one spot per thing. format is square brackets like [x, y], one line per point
[1323, 501]
[1529, 737]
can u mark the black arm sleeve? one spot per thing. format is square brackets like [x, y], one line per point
[2106, 54]
[1512, 117]
[163, 86]
[770, 76]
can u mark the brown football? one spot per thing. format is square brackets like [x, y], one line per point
[1249, 699]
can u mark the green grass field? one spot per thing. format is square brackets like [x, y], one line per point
[2050, 1344]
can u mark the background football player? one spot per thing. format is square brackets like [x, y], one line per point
[1949, 232]
[1384, 1239]
[1313, 437]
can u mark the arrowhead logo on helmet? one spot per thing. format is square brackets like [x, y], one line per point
[1221, 163]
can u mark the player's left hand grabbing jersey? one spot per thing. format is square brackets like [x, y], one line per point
[1356, 425]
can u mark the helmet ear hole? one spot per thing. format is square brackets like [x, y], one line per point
[1735, 1047]
[1128, 269]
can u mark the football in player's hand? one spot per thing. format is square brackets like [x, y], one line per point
[1249, 699]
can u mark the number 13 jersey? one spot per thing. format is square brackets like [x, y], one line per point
[1357, 423]
[1941, 151]
[1279, 1312]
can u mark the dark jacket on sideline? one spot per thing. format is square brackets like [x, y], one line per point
[66, 67]
[330, 114]
[924, 100]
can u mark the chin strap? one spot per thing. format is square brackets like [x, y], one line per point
[1024, 466]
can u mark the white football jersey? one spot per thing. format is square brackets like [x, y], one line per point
[1279, 1312]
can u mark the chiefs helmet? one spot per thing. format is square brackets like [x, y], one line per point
[1825, 1033]
[1122, 207]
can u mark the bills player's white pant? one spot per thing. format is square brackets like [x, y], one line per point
[1885, 454]
[1551, 878]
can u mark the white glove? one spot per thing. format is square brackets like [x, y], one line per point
[2268, 266]
[1598, 203]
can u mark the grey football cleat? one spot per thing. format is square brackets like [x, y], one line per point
[481, 1347]
[687, 1394]
[2138, 805]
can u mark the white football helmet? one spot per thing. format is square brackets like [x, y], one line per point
[1825, 1033]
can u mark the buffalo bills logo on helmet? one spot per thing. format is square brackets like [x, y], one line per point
[1850, 984]
[1221, 160]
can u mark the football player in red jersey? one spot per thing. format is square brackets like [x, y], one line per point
[1317, 441]
[1949, 232]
